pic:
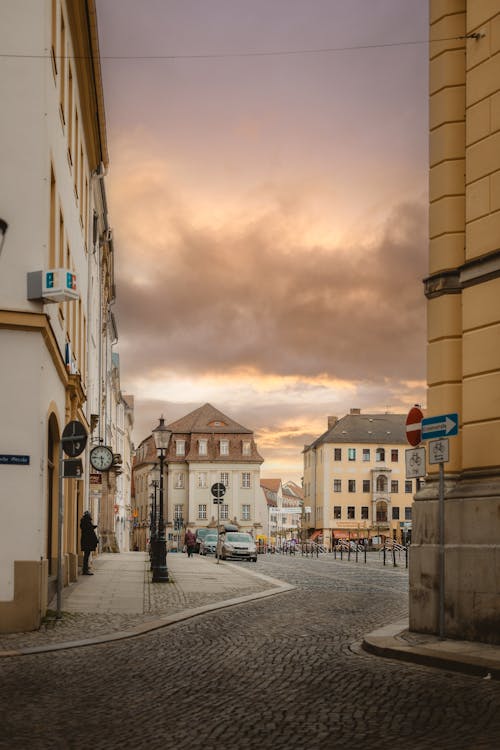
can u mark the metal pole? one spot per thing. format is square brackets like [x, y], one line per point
[441, 550]
[218, 520]
[60, 518]
[160, 571]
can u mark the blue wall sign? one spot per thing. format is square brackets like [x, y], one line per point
[7, 459]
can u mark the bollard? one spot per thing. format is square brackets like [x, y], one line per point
[356, 553]
[365, 553]
[384, 555]
[394, 557]
[406, 557]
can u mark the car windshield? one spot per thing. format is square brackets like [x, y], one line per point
[231, 537]
[210, 538]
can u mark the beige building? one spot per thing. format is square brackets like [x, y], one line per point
[206, 447]
[56, 287]
[355, 480]
[463, 292]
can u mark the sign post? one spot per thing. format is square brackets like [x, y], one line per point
[218, 491]
[439, 454]
[72, 443]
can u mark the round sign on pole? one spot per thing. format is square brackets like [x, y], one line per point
[414, 426]
[218, 490]
[74, 439]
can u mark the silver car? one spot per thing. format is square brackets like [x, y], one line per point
[237, 545]
[208, 544]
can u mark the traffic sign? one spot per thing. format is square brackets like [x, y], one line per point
[413, 426]
[74, 439]
[446, 425]
[72, 468]
[217, 501]
[415, 463]
[218, 490]
[439, 451]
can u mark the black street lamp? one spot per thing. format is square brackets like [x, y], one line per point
[162, 436]
[154, 516]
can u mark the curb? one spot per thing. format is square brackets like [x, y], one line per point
[151, 625]
[387, 643]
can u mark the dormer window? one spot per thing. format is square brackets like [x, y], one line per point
[224, 447]
[246, 448]
[180, 447]
[202, 447]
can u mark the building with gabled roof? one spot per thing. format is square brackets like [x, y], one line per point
[206, 447]
[355, 479]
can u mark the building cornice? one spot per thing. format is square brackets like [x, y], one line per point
[471, 273]
[37, 323]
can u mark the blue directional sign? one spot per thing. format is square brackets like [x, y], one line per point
[446, 425]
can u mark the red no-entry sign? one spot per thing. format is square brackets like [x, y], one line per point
[414, 426]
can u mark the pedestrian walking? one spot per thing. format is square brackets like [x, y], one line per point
[88, 541]
[190, 542]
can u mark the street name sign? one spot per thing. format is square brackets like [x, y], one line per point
[415, 463]
[439, 451]
[14, 460]
[413, 426]
[446, 425]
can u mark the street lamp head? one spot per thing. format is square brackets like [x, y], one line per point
[162, 436]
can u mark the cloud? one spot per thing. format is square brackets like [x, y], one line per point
[251, 293]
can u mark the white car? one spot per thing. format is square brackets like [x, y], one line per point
[237, 545]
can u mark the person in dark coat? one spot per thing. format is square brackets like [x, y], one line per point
[190, 542]
[88, 541]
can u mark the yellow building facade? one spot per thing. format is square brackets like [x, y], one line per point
[355, 480]
[463, 293]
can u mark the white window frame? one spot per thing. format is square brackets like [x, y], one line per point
[224, 511]
[224, 447]
[246, 480]
[180, 447]
[246, 514]
[202, 511]
[224, 478]
[246, 449]
[203, 447]
[202, 480]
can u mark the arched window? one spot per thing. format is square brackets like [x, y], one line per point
[381, 483]
[382, 512]
[380, 454]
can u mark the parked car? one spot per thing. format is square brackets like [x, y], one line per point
[200, 535]
[238, 545]
[208, 545]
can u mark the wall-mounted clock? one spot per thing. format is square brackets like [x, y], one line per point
[101, 457]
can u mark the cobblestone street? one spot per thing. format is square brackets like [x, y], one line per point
[276, 673]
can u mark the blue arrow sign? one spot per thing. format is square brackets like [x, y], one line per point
[445, 425]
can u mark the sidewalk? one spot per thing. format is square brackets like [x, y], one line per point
[470, 657]
[119, 601]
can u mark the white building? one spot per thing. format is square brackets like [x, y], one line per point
[206, 447]
[56, 286]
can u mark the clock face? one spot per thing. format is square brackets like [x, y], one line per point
[101, 457]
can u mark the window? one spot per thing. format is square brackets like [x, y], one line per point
[394, 485]
[382, 484]
[224, 511]
[179, 480]
[350, 511]
[202, 511]
[337, 511]
[351, 454]
[408, 486]
[351, 485]
[380, 454]
[394, 455]
[245, 479]
[366, 454]
[202, 479]
[337, 485]
[224, 447]
[246, 448]
[178, 511]
[245, 512]
[364, 513]
[224, 478]
[395, 513]
[202, 447]
[366, 485]
[408, 513]
[180, 447]
[337, 454]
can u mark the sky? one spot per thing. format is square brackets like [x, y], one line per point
[267, 190]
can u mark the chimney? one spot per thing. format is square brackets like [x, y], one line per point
[332, 421]
[355, 411]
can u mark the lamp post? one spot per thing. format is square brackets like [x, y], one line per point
[161, 435]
